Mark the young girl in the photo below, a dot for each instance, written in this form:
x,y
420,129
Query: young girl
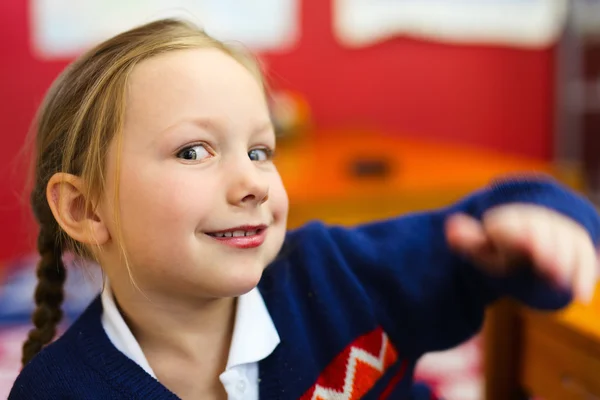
x,y
154,159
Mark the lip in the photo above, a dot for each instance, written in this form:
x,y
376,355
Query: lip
x,y
242,242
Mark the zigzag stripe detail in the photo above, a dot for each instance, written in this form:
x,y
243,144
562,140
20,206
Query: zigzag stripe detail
x,y
361,367
356,356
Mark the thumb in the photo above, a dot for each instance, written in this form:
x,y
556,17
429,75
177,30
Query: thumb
x,y
466,235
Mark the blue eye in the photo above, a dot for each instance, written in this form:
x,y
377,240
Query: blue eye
x,y
262,154
193,153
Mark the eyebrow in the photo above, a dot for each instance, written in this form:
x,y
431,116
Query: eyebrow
x,y
213,124
264,127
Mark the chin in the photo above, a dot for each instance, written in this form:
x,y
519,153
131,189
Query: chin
x,y
241,281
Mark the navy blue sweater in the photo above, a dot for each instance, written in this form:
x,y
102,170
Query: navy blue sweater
x,y
357,305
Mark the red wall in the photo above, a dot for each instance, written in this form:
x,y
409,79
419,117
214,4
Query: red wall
x,y
492,97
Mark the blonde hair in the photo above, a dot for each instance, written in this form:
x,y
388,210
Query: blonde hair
x,y
81,113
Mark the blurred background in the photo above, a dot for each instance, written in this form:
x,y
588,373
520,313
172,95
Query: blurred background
x,y
382,107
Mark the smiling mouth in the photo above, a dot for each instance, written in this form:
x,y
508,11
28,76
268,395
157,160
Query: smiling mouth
x,y
244,231
236,233
244,237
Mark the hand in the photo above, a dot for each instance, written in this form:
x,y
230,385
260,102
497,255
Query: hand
x,y
557,246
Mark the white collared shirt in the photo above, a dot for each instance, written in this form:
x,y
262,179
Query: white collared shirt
x,y
254,339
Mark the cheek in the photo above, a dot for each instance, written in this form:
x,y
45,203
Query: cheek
x,y
172,202
278,199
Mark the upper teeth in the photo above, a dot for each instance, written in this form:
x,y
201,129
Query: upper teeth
x,y
234,233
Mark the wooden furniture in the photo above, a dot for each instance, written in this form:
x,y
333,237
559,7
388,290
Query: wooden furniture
x,y
551,356
409,175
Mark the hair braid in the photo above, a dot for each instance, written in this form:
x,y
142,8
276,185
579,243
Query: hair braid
x,y
51,274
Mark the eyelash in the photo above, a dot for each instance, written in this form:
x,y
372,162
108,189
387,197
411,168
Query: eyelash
x,y
206,147
270,153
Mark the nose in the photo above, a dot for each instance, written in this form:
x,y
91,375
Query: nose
x,y
248,188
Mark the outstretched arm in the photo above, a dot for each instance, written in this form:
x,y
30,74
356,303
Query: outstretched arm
x,y
431,275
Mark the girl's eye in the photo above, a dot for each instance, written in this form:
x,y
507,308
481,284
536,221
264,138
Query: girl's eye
x,y
262,154
194,153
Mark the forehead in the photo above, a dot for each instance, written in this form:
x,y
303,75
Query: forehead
x,y
192,83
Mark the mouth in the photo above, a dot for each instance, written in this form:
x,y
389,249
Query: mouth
x,y
239,231
247,236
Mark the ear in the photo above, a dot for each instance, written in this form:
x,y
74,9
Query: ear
x,y
71,210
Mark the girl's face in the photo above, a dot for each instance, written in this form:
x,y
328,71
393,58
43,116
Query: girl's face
x,y
203,209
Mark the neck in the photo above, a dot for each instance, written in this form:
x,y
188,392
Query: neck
x,y
193,330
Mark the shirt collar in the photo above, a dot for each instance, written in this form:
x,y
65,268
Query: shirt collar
x,y
119,333
254,333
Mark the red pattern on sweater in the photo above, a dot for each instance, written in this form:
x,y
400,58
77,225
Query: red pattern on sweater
x,y
356,369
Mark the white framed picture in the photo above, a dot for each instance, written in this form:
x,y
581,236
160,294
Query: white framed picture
x,y
522,23
64,28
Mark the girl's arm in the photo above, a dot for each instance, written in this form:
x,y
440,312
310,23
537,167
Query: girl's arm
x,y
424,292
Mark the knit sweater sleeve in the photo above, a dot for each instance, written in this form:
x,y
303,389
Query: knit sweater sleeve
x,y
430,297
